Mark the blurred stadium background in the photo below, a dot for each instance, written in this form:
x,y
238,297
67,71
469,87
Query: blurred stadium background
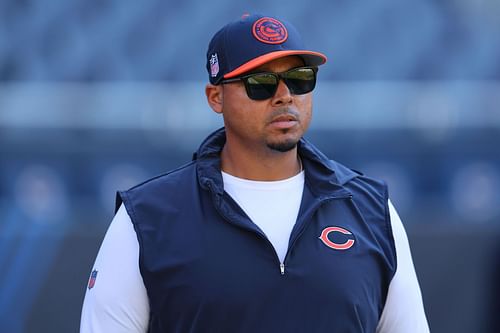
x,y
96,96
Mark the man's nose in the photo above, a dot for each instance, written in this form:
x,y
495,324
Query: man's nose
x,y
283,96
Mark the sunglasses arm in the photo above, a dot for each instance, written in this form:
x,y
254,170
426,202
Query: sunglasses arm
x,y
236,79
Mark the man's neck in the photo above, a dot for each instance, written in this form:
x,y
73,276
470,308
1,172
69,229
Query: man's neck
x,y
266,165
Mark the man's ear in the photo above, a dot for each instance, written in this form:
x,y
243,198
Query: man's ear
x,y
214,97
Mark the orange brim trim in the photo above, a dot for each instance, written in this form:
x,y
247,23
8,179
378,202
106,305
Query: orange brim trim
x,y
254,63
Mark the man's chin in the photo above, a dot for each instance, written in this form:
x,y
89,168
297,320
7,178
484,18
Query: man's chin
x,y
282,146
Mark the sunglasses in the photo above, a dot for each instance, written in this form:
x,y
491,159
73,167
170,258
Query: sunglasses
x,y
261,86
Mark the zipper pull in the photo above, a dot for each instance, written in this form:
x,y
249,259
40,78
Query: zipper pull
x,y
282,269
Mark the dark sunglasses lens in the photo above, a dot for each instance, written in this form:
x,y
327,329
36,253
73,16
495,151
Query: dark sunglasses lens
x,y
301,80
261,86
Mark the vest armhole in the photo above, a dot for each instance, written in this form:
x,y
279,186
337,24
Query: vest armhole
x,y
123,197
118,201
390,233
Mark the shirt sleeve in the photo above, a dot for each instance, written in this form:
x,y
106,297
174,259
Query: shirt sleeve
x,y
404,309
116,298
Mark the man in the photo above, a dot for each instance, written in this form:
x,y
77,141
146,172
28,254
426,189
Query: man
x,y
260,232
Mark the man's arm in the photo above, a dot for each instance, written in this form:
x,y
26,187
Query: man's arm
x,y
117,301
404,309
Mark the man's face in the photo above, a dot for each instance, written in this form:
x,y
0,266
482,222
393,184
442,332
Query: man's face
x,y
275,124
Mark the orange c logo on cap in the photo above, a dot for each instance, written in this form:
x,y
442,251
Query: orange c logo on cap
x,y
342,246
269,31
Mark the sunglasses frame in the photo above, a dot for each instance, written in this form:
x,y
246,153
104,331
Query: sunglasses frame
x,y
278,76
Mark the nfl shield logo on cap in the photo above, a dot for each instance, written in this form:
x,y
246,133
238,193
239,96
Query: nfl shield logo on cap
x,y
214,65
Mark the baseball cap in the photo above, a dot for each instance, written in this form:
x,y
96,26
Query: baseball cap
x,y
252,41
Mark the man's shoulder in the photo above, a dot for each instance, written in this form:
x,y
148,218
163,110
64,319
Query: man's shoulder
x,y
170,187
356,181
351,179
168,179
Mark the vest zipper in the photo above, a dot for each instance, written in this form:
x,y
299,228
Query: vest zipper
x,y
282,265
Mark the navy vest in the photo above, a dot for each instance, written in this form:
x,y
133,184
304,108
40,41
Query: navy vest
x,y
208,268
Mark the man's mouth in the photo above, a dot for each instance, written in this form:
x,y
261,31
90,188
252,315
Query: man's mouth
x,y
284,121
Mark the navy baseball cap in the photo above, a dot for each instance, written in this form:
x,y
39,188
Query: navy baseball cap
x,y
252,41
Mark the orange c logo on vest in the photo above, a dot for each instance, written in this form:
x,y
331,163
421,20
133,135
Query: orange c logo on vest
x,y
336,246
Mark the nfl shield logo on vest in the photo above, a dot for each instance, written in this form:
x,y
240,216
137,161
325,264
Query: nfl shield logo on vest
x,y
92,279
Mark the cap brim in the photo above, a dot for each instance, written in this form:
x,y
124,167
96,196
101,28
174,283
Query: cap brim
x,y
310,58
